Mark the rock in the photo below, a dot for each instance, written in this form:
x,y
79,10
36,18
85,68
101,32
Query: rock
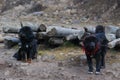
x,y
24,64
47,58
45,75
20,7
84,19
2,62
56,12
9,4
71,53
7,73
36,7
72,59
10,65
83,57
45,15
40,13
75,21
38,58
61,53
61,68
73,77
21,64
83,60
60,64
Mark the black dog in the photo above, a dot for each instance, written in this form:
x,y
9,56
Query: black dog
x,y
28,45
95,47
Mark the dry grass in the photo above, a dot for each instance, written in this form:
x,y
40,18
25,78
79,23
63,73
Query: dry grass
x,y
65,52
62,52
113,56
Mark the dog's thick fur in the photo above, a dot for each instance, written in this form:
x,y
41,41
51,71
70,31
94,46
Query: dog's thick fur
x,y
28,45
95,47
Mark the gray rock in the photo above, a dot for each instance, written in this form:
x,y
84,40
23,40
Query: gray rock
x,y
40,13
47,58
60,64
7,73
24,64
2,62
82,60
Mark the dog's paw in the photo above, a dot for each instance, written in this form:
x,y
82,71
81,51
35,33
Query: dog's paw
x,y
90,72
29,60
98,73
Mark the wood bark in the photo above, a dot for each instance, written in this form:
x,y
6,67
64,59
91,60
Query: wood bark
x,y
71,37
90,29
117,46
1,39
56,41
110,37
111,29
62,32
42,28
9,42
10,29
15,30
118,33
113,43
41,35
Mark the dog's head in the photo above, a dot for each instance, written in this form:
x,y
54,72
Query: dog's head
x,y
90,43
26,33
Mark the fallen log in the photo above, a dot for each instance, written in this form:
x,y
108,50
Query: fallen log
x,y
118,33
1,39
117,46
63,32
113,43
15,30
90,29
10,29
32,25
71,37
42,35
111,29
42,28
74,36
9,42
56,41
110,37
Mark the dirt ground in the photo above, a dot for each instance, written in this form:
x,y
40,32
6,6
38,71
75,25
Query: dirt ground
x,y
68,68
65,62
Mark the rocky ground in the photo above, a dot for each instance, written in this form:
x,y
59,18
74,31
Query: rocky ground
x,y
65,62
49,67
